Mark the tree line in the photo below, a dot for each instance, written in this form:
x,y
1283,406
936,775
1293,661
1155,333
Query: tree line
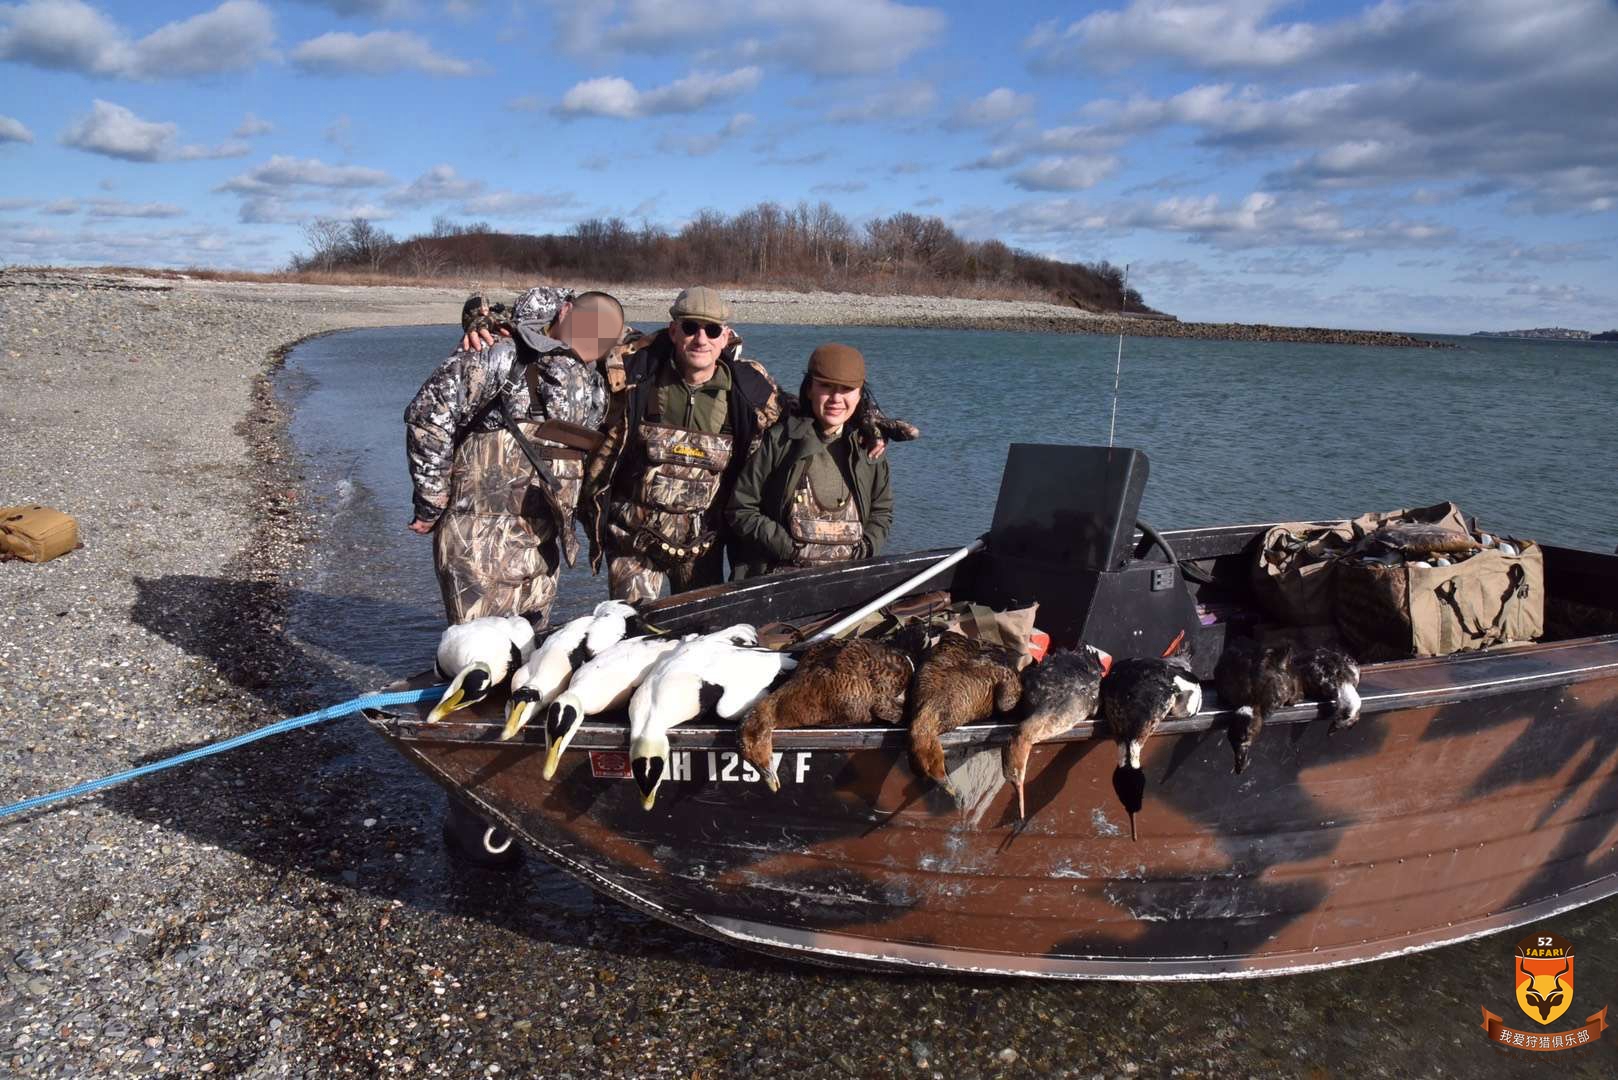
x,y
801,247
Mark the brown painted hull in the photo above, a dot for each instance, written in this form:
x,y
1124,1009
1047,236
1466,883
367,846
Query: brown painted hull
x,y
1476,793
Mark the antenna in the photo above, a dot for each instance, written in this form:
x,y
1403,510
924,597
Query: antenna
x,y
1117,373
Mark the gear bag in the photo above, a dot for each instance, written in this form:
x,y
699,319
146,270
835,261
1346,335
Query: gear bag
x,y
36,533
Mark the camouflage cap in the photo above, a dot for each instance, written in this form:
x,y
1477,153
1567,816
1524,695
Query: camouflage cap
x,y
700,302
535,310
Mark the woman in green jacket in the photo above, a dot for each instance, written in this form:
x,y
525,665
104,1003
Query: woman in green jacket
x,y
811,494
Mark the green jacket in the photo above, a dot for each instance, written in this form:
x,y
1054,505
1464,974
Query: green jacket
x,y
763,496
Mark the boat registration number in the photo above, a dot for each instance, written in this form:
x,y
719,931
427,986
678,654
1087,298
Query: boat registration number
x,y
723,766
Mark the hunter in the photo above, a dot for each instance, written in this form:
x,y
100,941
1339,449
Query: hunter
x,y
691,411
497,439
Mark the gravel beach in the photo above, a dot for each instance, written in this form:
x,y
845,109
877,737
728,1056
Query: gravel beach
x,y
287,910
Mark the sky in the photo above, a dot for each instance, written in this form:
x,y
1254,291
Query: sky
x,y
1443,166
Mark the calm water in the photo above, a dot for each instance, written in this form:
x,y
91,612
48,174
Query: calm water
x,y
1518,433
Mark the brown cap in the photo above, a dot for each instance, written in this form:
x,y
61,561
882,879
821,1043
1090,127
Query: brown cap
x,y
700,302
840,364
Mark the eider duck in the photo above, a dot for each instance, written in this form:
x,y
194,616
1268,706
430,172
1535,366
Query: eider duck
x,y
604,683
1332,677
836,684
960,681
1060,691
546,674
1137,695
724,672
477,656
1260,679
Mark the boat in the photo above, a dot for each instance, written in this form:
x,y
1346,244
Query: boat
x,y
1478,792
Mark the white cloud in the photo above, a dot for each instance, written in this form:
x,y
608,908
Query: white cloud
x,y
282,173
114,131
179,248
617,97
117,208
251,125
998,108
375,9
1072,173
844,187
899,101
69,35
438,184
701,145
823,37
340,133
12,130
60,208
511,204
383,52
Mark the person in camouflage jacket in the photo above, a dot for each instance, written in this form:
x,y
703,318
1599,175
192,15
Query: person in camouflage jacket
x,y
495,519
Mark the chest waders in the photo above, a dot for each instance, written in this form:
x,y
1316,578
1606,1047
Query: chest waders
x,y
826,530
670,516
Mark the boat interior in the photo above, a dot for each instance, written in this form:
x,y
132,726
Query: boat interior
x,y
1067,535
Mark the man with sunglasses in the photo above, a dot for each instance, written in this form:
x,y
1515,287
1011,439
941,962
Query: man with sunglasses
x,y
691,410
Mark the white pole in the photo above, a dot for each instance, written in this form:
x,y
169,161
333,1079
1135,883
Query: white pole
x,y
1123,305
894,593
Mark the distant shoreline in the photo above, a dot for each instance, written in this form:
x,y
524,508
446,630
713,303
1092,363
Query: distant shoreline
x,y
648,306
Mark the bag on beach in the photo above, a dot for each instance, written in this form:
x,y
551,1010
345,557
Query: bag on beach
x,y
36,533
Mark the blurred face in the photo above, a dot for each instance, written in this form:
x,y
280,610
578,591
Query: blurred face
x,y
698,343
591,329
832,403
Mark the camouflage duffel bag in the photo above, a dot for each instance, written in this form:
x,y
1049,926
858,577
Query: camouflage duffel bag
x,y
1422,607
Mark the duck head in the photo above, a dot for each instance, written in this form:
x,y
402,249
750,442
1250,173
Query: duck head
x,y
470,686
649,764
563,718
520,710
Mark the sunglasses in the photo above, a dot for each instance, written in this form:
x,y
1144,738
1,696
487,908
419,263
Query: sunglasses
x,y
690,328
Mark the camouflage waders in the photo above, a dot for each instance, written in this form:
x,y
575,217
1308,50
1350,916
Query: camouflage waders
x,y
670,524
495,548
823,533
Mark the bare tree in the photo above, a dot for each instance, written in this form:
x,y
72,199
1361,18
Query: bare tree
x,y
324,235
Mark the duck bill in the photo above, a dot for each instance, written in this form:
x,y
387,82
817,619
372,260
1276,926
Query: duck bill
x,y
562,722
454,698
1133,835
553,756
518,713
1022,806
648,800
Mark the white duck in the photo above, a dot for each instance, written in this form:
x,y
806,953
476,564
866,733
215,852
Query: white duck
x,y
478,656
546,674
604,683
724,671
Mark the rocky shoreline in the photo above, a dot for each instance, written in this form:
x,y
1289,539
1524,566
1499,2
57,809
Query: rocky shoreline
x,y
287,910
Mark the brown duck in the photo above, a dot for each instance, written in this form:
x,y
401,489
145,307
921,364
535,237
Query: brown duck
x,y
961,681
837,684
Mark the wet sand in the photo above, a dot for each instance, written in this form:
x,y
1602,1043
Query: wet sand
x,y
288,910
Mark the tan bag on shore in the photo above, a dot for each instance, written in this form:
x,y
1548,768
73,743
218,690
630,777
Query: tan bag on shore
x,y
36,533
1488,598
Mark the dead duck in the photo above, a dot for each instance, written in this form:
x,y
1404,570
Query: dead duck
x,y
836,684
1260,679
1257,680
546,674
603,683
960,681
1137,695
720,672
477,656
1332,677
1060,691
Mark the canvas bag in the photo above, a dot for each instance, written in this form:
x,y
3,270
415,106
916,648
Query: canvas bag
x,y
36,533
1488,598
1297,561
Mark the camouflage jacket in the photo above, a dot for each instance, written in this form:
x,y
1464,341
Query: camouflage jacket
x,y
473,390
754,405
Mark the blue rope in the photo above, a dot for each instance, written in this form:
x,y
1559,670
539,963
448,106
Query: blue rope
x,y
368,701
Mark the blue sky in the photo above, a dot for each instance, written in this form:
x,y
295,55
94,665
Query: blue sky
x,y
1442,166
